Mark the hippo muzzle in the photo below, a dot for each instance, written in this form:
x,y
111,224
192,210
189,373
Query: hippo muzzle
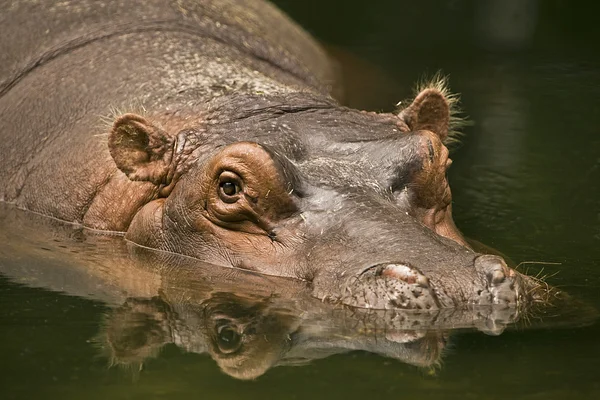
x,y
407,266
400,285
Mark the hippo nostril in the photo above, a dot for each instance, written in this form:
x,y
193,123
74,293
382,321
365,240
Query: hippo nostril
x,y
499,280
493,267
497,277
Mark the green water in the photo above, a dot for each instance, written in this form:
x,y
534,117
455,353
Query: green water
x,y
525,179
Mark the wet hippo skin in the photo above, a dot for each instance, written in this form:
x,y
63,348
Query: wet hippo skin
x,y
207,129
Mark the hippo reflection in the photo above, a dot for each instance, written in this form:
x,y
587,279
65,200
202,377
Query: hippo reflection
x,y
246,337
237,154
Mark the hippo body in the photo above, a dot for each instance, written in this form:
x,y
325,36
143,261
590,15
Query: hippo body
x,y
207,128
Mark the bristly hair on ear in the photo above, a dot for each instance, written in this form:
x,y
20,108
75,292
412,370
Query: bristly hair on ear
x,y
107,120
458,120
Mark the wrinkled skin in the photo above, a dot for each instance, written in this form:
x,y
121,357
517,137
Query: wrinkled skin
x,y
238,156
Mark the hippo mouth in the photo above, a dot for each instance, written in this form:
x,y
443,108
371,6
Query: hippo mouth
x,y
399,285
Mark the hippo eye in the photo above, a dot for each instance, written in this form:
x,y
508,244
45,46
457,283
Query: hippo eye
x,y
229,187
228,339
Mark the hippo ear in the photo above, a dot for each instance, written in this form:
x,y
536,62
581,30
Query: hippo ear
x,y
141,150
430,110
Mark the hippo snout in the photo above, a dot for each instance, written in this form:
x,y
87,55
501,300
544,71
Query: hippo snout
x,y
400,285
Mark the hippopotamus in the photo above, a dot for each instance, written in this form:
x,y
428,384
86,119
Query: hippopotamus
x,y
209,128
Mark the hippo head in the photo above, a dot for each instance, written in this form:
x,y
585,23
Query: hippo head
x,y
355,203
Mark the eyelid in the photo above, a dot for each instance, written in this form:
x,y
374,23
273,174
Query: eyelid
x,y
229,176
